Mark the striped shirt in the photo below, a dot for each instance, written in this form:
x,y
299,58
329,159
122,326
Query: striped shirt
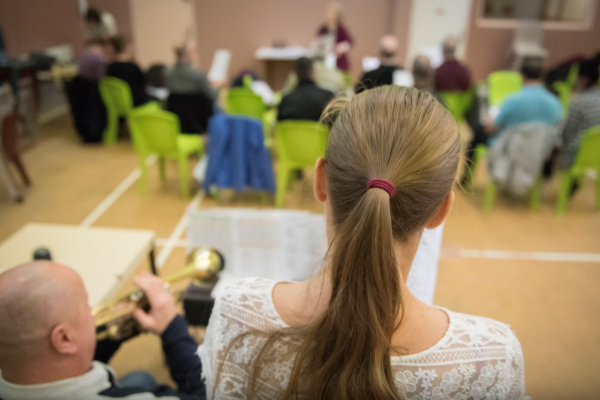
x,y
584,113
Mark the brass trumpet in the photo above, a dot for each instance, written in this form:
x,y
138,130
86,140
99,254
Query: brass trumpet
x,y
203,265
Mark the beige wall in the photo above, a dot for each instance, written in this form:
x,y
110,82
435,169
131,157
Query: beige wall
x,y
487,48
244,26
158,26
400,26
33,25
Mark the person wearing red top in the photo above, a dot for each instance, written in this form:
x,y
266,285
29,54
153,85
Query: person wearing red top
x,y
341,39
451,76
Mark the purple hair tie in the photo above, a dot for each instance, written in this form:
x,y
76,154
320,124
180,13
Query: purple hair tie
x,y
382,184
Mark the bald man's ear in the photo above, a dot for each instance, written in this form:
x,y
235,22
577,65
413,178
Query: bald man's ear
x,y
63,339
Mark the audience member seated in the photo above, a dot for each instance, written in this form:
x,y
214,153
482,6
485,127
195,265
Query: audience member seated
x,y
307,101
185,79
584,112
451,76
87,108
533,103
194,110
124,68
259,87
353,330
384,75
99,24
331,79
48,339
92,63
156,87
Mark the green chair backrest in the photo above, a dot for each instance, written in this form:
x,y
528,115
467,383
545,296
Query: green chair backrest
x,y
458,103
116,95
588,155
243,101
154,130
247,80
501,84
572,75
300,143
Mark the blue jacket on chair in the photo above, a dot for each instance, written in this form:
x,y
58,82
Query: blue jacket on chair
x,y
237,157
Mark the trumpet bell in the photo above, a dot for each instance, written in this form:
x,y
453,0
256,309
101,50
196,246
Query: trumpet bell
x,y
206,263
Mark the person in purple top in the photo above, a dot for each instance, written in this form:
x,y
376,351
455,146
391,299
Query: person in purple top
x,y
451,76
338,34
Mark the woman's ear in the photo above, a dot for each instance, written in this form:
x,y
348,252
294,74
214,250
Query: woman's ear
x,y
441,213
320,184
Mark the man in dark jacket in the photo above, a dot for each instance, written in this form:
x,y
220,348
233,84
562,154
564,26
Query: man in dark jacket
x,y
48,339
384,74
306,101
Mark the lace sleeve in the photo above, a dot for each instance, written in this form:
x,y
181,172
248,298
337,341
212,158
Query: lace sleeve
x,y
517,391
240,321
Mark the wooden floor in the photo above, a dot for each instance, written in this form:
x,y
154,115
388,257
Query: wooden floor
x,y
553,305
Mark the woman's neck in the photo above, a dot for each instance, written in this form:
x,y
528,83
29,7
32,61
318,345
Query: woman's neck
x,y
303,302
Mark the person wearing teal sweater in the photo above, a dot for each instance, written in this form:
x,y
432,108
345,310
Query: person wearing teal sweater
x,y
533,103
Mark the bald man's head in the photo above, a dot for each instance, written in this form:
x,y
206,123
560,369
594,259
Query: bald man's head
x,y
449,47
39,302
388,46
422,73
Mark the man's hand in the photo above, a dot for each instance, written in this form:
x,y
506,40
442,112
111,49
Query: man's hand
x,y
162,304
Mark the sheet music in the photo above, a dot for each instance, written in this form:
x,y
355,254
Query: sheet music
x,y
289,245
220,66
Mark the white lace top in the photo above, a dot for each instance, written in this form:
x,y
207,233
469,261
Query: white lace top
x,y
478,358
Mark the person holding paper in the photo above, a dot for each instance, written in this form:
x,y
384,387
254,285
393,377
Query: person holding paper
x,y
337,35
353,330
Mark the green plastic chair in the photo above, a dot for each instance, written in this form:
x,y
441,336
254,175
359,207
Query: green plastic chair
x,y
479,154
155,131
565,88
299,144
458,103
243,101
535,195
588,157
116,96
501,84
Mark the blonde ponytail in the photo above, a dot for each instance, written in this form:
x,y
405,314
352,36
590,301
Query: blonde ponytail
x,y
406,137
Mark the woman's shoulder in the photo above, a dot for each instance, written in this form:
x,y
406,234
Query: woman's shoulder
x,y
471,331
249,301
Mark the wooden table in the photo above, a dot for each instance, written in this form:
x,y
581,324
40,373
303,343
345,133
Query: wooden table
x,y
104,257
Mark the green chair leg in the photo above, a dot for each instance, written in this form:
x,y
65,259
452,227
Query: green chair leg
x,y
478,155
109,137
598,189
563,193
490,195
143,179
535,196
161,168
282,183
291,179
184,176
